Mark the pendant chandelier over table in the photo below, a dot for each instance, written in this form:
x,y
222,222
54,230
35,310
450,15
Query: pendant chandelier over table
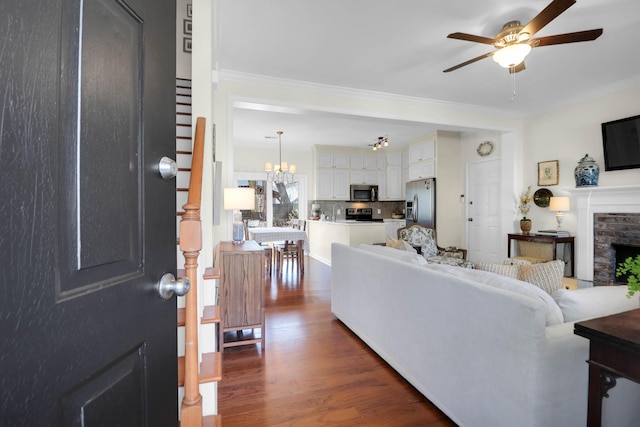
x,y
282,172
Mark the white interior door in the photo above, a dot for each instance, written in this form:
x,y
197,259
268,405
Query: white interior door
x,y
483,211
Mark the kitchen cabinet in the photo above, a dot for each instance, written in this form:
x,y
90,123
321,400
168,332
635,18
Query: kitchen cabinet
x,y
364,177
424,150
332,184
382,185
395,183
332,159
363,161
391,227
422,169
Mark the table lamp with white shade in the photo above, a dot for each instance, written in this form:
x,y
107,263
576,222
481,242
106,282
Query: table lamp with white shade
x,y
236,199
559,205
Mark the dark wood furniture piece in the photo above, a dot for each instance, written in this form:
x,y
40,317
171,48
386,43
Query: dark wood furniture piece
x,y
241,291
552,240
614,351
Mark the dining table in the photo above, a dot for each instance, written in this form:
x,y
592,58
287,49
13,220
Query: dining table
x,y
280,234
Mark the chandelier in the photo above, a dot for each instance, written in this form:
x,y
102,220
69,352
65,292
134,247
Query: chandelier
x,y
282,172
382,142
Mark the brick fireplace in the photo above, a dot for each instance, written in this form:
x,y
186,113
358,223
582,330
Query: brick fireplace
x,y
616,236
599,209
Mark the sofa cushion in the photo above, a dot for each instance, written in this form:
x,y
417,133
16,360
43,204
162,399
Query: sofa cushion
x,y
501,269
598,301
406,256
552,311
546,275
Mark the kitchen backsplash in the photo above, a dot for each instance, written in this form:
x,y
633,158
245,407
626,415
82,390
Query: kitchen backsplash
x,y
380,209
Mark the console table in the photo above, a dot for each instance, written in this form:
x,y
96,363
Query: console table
x,y
552,240
241,291
614,351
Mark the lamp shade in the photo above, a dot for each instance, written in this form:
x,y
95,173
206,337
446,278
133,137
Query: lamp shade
x,y
239,198
512,55
559,204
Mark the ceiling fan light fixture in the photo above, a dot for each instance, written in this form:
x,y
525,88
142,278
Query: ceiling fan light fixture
x,y
512,55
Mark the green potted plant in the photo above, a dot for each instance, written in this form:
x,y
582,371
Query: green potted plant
x,y
525,201
632,267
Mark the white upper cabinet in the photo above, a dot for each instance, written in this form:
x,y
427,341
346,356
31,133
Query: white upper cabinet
x,y
363,161
332,159
424,150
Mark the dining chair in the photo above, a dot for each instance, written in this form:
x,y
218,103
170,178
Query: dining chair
x,y
268,249
291,250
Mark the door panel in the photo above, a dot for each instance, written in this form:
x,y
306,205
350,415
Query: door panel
x,y
103,131
88,225
483,211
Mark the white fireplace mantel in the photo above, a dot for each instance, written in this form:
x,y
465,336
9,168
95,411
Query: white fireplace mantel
x,y
591,200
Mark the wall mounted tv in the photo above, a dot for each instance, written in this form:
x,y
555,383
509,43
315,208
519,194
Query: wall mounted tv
x,y
621,141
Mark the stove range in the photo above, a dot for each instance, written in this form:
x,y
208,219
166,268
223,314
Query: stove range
x,y
361,214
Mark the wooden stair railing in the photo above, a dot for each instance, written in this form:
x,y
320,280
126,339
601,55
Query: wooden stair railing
x,y
190,245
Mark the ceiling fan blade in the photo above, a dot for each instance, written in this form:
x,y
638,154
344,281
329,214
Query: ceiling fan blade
x,y
471,61
548,14
578,36
471,38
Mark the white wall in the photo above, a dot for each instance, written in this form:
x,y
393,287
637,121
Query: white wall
x,y
234,88
183,59
566,135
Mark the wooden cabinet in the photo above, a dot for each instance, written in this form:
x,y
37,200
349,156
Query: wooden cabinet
x,y
241,291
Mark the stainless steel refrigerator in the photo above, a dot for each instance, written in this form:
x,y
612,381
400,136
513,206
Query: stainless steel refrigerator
x,y
421,202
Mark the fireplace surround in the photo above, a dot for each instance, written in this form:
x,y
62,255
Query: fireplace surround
x,y
615,201
616,237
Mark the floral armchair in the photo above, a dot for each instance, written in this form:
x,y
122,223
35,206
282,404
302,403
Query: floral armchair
x,y
423,238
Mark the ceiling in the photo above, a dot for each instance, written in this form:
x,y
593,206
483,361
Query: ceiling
x,y
401,48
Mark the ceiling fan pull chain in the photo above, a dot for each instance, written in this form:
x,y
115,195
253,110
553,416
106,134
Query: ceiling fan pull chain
x,y
513,86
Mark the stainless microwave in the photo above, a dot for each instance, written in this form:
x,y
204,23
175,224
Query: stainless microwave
x,y
363,193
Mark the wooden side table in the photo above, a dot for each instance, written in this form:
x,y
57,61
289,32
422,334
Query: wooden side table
x,y
241,291
614,351
552,240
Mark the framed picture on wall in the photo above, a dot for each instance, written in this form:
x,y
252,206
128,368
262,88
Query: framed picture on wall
x,y
548,173
186,44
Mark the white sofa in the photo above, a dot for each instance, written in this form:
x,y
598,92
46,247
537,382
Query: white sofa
x,y
482,347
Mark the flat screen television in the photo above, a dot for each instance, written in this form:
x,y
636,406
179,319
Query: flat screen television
x,y
621,141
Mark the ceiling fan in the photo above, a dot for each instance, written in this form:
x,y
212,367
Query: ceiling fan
x,y
514,41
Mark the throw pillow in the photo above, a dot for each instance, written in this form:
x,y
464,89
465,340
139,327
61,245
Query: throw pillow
x,y
501,269
399,244
518,261
546,275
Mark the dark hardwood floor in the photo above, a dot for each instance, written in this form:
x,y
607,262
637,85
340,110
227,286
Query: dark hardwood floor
x,y
313,370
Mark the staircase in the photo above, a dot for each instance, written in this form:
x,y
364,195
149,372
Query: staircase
x,y
199,364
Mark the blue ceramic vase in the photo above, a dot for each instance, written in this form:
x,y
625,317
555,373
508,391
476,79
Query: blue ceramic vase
x,y
587,172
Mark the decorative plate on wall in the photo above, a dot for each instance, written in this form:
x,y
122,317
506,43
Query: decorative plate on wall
x,y
485,148
541,197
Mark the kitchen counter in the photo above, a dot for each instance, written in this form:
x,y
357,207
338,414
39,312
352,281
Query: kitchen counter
x,y
348,232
